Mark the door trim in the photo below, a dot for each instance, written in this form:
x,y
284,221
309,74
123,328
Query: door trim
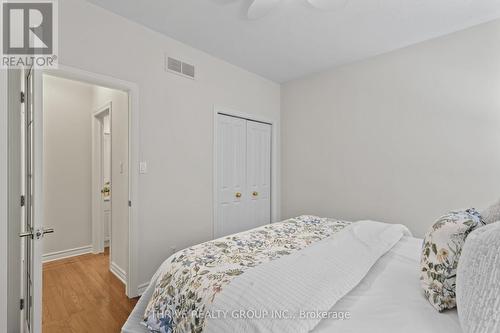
x,y
275,158
97,172
132,89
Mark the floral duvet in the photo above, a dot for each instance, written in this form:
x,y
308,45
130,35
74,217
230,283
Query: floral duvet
x,y
189,281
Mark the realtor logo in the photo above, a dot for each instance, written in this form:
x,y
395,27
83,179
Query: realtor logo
x,y
29,33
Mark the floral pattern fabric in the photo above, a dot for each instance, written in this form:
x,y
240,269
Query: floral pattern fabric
x,y
441,251
191,279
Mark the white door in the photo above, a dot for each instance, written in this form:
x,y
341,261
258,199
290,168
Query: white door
x,y
106,179
243,175
231,175
258,173
33,230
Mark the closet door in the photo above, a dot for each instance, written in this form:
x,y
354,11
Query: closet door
x,y
232,211
258,174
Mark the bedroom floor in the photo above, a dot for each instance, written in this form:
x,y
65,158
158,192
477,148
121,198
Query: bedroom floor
x,y
80,294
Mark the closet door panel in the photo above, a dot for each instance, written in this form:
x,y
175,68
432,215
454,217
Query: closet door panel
x,y
231,175
258,173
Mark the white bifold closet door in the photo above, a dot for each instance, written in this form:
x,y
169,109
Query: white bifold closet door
x,y
243,175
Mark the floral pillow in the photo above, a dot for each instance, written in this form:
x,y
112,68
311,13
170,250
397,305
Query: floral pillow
x,y
440,254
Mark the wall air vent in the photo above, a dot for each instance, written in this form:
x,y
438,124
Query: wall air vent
x,y
188,70
179,67
174,65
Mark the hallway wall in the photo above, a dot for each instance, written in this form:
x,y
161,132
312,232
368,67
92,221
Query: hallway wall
x,y
67,167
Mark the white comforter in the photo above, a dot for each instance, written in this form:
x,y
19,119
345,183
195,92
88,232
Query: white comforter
x,y
389,299
294,293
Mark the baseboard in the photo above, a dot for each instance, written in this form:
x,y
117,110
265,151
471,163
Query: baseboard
x,y
106,242
142,288
118,272
47,257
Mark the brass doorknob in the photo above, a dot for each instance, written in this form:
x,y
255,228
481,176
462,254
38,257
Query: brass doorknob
x,y
255,194
238,194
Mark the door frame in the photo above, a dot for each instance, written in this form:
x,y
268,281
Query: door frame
x,y
72,73
275,158
97,175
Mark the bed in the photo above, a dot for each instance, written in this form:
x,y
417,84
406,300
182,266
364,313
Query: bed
x,y
381,294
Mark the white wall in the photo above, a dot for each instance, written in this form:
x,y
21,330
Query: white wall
x,y
176,119
119,174
403,137
67,163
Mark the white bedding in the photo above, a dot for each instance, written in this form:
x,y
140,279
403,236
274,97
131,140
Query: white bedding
x,y
313,279
388,299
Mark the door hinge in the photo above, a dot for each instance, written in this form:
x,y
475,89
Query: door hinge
x,y
22,97
130,203
21,304
23,200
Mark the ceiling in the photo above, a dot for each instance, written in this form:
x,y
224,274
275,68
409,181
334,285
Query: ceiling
x,y
294,39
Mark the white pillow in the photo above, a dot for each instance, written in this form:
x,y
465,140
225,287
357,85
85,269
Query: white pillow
x,y
478,281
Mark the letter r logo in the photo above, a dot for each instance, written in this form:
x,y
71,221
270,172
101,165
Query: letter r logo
x,y
27,28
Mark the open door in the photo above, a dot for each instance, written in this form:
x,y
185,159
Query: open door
x,y
33,230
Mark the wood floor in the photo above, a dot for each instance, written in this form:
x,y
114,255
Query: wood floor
x,y
80,294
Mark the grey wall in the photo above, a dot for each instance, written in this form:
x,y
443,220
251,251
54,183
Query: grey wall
x,y
402,138
67,167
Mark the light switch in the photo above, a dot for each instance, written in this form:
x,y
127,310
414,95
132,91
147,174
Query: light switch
x,y
143,167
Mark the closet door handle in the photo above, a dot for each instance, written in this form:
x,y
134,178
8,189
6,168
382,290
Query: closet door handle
x,y
255,194
238,195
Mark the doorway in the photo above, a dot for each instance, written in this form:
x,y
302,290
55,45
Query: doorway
x,y
86,191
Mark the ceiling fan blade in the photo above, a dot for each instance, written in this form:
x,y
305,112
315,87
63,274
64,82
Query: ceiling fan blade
x,y
259,8
328,4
